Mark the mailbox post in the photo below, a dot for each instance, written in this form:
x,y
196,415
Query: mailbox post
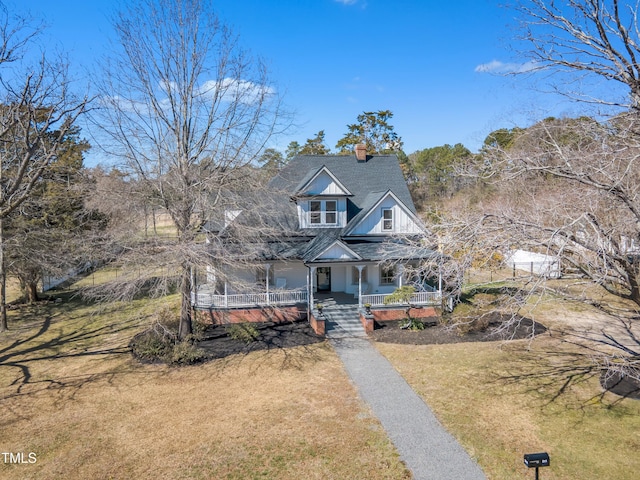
x,y
536,460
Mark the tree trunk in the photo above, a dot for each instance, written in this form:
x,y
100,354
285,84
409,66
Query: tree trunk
x,y
31,292
153,217
634,294
185,329
3,283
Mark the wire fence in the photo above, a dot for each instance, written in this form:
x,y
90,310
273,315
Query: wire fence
x,y
88,277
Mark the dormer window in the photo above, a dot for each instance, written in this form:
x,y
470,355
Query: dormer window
x,y
323,212
387,220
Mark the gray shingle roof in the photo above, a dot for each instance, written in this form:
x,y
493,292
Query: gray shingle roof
x,y
367,181
378,174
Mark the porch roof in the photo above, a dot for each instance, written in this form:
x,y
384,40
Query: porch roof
x,y
382,251
308,249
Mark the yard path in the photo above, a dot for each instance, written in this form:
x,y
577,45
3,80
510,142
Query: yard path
x,y
427,449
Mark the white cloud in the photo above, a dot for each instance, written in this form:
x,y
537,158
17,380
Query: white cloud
x,y
347,2
229,90
232,89
496,66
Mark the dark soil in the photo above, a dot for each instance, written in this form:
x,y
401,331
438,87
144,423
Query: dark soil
x,y
621,385
435,333
218,344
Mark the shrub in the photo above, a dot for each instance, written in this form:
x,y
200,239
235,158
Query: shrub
x,y
413,324
159,343
150,346
245,332
186,353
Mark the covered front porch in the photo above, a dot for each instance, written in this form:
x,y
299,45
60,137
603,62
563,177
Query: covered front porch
x,y
279,284
206,298
370,283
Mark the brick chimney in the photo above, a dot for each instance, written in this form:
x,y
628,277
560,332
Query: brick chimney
x,y
361,152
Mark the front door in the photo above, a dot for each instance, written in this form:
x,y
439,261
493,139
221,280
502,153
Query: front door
x,y
323,279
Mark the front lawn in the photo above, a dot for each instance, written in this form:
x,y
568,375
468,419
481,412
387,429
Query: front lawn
x,y
502,400
72,395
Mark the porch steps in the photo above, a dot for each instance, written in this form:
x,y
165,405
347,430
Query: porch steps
x,y
343,321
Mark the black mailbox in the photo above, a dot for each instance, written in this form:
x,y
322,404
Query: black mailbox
x,y
536,460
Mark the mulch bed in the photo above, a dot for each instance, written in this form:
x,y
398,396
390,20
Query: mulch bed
x,y
435,334
218,344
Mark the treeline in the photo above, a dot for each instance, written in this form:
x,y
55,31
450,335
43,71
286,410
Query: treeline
x,y
433,174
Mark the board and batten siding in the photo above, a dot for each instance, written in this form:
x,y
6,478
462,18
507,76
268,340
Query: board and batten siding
x,y
323,184
304,210
372,223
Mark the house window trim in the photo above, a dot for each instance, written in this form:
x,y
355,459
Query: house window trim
x,y
261,275
385,220
386,280
319,217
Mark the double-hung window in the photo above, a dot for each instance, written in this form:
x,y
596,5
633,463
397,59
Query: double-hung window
x,y
387,220
315,208
331,213
387,275
323,212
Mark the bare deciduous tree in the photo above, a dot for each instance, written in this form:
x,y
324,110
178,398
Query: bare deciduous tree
x,y
585,39
188,111
37,109
568,188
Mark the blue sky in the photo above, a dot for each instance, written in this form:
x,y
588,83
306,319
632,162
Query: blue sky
x,y
432,63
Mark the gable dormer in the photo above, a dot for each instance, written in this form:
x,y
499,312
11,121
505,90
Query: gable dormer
x,y
322,182
385,215
322,200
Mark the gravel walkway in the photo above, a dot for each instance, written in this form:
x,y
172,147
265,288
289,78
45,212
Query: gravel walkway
x,y
426,448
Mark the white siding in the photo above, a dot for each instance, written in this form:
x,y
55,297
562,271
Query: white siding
x,y
338,278
372,223
294,272
323,184
241,279
304,208
353,287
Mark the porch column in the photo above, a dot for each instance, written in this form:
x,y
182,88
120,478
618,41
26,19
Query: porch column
x,y
359,267
312,274
267,267
226,297
400,274
194,290
440,297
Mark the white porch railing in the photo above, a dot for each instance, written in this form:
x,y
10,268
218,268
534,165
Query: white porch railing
x,y
276,298
418,298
